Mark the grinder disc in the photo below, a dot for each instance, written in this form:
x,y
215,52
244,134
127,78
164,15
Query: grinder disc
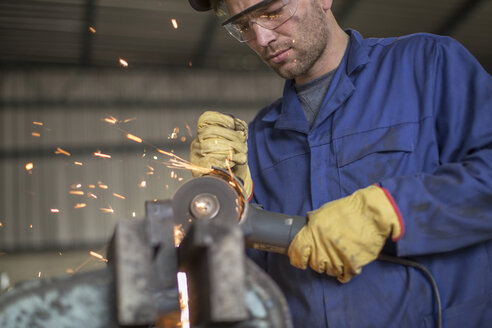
x,y
211,187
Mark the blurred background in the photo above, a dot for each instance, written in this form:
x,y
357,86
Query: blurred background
x,y
91,90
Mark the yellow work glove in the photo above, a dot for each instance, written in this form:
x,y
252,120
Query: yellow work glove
x,y
220,137
344,235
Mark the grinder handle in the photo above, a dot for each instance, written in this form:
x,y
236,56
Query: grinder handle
x,y
270,231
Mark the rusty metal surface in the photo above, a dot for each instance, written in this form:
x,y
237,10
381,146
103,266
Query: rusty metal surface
x,y
81,301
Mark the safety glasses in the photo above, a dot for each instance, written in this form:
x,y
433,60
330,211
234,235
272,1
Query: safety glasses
x,y
268,14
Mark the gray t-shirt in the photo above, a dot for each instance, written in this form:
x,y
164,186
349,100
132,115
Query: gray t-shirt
x,y
311,95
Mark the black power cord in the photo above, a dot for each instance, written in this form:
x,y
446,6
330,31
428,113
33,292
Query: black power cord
x,y
427,273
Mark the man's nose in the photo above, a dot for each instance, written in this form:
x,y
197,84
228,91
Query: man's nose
x,y
263,35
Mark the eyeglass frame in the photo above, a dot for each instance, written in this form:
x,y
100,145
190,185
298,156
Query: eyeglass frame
x,y
252,9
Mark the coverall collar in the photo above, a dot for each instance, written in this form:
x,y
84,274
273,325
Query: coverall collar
x,y
289,117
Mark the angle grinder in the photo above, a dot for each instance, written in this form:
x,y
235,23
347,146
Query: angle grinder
x,y
220,195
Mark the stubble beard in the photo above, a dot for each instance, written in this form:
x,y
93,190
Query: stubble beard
x,y
305,50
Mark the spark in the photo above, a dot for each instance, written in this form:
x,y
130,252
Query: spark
x,y
175,23
54,210
228,164
180,163
69,271
78,185
123,62
1,224
91,195
92,29
102,186
165,153
36,134
99,154
174,161
150,168
76,192
38,123
178,234
189,130
39,274
29,166
111,120
142,184
107,210
134,214
183,299
134,138
78,163
173,175
92,186
98,256
80,205
183,139
118,196
30,226
174,134
61,151
129,119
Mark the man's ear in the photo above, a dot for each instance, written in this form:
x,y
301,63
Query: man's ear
x,y
326,4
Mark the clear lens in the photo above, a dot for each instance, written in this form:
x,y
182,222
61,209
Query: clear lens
x,y
270,16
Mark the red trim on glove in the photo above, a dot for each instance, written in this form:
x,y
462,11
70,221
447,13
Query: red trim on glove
x,y
252,188
398,213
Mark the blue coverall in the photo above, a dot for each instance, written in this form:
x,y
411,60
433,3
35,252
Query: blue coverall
x,y
413,114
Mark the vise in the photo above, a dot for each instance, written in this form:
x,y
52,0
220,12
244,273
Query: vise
x,y
212,222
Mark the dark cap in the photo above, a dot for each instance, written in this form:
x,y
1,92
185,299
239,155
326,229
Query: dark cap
x,y
201,5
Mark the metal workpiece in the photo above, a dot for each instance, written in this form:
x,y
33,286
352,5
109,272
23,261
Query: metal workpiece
x,y
160,231
79,301
212,255
226,288
145,264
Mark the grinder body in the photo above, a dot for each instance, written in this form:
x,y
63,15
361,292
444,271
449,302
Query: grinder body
x,y
270,231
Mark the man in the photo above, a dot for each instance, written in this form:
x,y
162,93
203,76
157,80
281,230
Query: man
x,y
386,144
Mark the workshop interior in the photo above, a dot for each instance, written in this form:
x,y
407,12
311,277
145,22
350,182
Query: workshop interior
x,y
99,212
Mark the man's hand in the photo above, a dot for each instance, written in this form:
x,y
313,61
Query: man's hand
x,y
344,235
221,137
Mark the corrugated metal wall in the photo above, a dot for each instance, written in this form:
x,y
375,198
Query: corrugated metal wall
x,y
43,110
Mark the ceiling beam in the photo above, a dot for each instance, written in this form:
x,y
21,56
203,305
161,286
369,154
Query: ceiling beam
x,y
458,17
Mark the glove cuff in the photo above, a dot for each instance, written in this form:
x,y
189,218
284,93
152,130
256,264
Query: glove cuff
x,y
248,184
398,228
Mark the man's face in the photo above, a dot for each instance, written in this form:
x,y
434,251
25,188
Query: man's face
x,y
293,48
